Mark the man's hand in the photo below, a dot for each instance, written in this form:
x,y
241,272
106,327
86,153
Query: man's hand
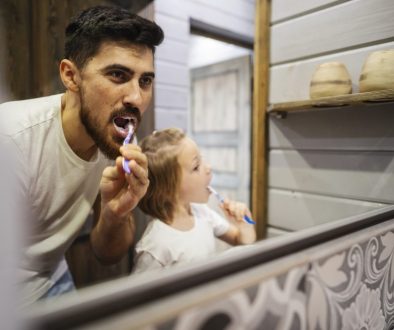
x,y
121,192
113,234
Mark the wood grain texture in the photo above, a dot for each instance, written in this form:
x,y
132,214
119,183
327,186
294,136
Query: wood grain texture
x,y
16,18
165,52
175,97
290,82
237,8
285,9
357,99
166,118
260,102
175,28
357,175
292,210
348,128
350,24
172,74
172,65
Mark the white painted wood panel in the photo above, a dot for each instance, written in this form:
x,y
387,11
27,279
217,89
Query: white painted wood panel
x,y
237,8
284,9
166,51
165,118
221,159
171,60
171,73
173,8
366,176
220,107
175,28
294,210
173,97
219,18
290,82
349,128
215,102
349,24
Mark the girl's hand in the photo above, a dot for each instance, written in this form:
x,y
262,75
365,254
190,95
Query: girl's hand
x,y
240,232
235,211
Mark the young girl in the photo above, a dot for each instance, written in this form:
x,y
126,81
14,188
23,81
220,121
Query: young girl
x,y
184,227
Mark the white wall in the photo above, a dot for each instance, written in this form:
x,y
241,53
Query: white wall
x,y
172,69
329,164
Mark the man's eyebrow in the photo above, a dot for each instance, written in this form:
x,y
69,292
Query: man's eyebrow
x,y
117,67
126,69
148,74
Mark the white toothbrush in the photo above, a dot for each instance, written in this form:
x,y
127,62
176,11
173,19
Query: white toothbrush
x,y
221,200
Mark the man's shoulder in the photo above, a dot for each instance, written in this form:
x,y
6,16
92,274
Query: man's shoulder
x,y
38,102
18,115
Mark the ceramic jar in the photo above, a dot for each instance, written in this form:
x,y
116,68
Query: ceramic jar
x,y
378,71
330,79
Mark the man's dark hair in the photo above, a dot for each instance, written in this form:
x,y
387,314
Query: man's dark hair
x,y
91,27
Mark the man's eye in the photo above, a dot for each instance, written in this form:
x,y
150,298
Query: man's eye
x,y
118,76
146,81
196,168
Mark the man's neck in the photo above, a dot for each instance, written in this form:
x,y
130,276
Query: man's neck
x,y
74,131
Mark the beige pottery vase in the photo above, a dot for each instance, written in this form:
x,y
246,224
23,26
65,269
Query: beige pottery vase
x,y
330,79
378,71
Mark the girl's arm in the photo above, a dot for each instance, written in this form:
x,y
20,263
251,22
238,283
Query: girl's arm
x,y
240,232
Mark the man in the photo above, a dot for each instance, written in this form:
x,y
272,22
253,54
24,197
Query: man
x,y
64,143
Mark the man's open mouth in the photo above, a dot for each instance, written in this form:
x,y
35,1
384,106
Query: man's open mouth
x,y
122,124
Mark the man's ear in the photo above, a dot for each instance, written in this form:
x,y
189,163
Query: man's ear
x,y
70,75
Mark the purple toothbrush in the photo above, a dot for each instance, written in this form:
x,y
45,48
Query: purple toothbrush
x,y
127,140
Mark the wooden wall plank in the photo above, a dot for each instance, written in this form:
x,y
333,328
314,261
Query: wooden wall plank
x,y
171,59
357,175
165,118
290,82
219,18
175,28
367,128
166,51
173,97
171,73
237,8
16,22
284,9
172,8
349,24
292,211
259,115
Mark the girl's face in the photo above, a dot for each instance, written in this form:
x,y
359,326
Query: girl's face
x,y
196,174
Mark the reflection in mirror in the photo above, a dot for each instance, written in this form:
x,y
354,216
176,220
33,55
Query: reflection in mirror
x,y
323,165
248,286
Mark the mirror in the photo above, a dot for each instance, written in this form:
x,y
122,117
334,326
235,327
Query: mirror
x,y
321,165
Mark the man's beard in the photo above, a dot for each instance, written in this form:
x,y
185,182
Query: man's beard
x,y
92,127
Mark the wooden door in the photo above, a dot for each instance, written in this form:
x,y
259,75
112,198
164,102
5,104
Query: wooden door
x,y
220,123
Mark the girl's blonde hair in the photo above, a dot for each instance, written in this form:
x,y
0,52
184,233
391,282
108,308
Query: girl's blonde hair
x,y
162,150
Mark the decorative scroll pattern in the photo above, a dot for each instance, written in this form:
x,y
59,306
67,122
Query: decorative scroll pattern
x,y
353,289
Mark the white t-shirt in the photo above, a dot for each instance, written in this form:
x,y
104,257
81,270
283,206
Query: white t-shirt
x,y
58,187
162,246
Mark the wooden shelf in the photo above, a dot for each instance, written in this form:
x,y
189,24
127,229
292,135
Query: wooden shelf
x,y
383,96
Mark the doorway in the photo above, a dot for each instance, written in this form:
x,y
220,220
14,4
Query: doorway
x,y
220,111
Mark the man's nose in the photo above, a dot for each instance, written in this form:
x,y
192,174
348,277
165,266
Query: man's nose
x,y
133,96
